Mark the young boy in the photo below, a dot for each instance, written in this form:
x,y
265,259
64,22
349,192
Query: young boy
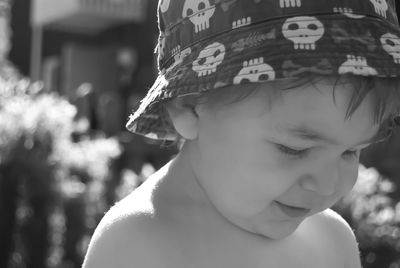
x,y
273,101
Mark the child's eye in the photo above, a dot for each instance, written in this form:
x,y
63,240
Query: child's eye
x,y
294,153
297,153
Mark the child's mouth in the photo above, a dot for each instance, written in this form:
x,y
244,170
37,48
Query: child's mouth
x,y
290,211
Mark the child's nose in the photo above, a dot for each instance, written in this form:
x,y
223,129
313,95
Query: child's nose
x,y
325,181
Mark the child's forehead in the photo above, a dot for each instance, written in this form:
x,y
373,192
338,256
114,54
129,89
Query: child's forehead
x,y
306,112
313,132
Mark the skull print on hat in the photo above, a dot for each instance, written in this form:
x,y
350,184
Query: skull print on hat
x,y
391,44
357,65
254,71
381,7
209,58
199,13
289,3
304,32
164,5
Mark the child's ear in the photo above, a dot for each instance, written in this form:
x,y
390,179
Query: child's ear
x,y
184,118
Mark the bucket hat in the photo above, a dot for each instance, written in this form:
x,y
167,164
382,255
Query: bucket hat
x,y
205,45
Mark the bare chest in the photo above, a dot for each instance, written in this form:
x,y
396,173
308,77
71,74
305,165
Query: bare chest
x,y
248,261
239,253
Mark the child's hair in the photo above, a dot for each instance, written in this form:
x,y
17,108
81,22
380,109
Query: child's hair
x,y
385,95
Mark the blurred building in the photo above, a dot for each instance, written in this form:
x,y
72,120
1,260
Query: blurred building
x,y
97,53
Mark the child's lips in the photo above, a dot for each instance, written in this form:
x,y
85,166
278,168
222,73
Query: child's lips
x,y
291,211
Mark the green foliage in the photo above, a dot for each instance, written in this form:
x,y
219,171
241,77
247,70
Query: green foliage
x,y
373,209
29,116
47,178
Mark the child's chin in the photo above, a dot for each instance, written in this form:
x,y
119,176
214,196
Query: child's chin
x,y
277,232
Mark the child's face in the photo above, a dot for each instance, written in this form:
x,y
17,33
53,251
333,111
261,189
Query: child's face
x,y
258,164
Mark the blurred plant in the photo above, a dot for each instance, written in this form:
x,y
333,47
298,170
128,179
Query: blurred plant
x,y
51,185
130,180
373,210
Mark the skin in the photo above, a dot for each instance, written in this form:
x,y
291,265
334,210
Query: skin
x,y
215,203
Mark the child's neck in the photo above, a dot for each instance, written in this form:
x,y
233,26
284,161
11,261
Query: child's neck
x,y
177,181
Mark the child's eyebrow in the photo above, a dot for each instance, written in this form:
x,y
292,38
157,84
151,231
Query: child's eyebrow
x,y
306,133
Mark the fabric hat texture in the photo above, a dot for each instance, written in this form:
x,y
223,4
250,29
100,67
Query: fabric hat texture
x,y
209,44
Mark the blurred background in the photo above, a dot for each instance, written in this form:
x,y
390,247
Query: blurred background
x,y
71,71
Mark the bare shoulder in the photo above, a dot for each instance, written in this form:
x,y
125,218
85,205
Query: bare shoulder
x,y
341,233
337,226
122,237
